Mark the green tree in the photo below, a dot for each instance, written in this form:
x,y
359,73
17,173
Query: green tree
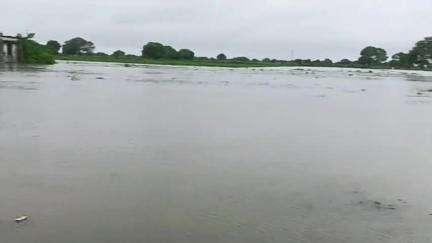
x,y
400,60
78,46
372,56
221,57
327,62
345,62
102,54
241,59
153,50
186,54
170,53
421,54
54,46
118,54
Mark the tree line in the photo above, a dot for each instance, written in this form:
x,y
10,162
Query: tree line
x,y
419,57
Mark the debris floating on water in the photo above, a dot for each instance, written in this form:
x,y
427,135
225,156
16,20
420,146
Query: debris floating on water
x,y
21,219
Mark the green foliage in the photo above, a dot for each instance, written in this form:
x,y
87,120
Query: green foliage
x,y
372,56
199,61
78,46
54,46
186,54
241,59
35,53
118,54
221,57
344,62
170,53
327,62
100,54
153,50
421,54
420,57
400,60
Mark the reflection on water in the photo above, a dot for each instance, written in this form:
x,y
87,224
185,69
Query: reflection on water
x,y
107,153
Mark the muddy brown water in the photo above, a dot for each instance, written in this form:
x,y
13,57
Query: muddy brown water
x,y
103,153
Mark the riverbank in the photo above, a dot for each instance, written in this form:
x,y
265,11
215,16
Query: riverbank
x,y
195,62
215,63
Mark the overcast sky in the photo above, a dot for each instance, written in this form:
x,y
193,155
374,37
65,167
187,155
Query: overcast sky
x,y
253,28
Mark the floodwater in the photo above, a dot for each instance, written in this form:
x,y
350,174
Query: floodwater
x,y
103,153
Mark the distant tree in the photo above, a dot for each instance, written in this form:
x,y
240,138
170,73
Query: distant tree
x,y
221,57
345,62
421,54
154,50
327,62
400,60
54,46
372,56
102,54
241,59
170,53
266,59
306,62
118,54
186,54
78,46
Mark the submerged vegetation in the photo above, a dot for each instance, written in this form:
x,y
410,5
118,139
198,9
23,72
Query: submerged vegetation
x,y
79,49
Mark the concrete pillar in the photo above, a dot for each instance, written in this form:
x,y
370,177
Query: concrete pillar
x,y
14,52
1,50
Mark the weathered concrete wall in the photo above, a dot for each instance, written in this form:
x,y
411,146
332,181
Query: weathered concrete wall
x,y
10,51
1,51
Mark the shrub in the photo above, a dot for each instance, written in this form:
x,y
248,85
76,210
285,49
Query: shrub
x,y
186,54
35,53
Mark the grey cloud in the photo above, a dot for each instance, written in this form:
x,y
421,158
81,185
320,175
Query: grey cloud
x,y
273,28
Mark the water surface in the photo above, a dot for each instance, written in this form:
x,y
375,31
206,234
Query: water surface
x,y
104,153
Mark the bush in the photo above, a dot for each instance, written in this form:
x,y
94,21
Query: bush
x,y
241,59
35,53
186,54
118,54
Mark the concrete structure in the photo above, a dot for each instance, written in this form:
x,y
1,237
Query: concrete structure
x,y
11,50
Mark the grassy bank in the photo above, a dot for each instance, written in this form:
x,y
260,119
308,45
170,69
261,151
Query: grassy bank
x,y
195,62
216,63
